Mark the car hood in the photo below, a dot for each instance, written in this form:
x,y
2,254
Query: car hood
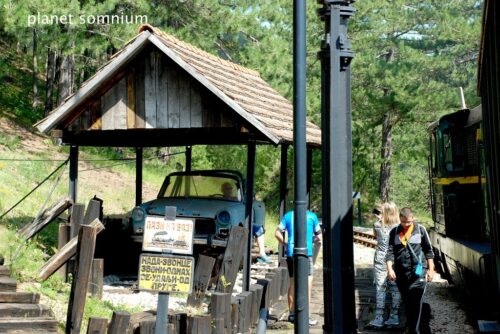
x,y
189,207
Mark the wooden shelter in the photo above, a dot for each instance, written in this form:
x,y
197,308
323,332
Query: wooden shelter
x,y
160,91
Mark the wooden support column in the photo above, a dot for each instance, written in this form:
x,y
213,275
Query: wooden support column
x,y
249,214
62,239
138,175
76,218
97,278
78,295
73,173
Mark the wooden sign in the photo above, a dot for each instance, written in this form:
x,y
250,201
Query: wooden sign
x,y
166,273
168,236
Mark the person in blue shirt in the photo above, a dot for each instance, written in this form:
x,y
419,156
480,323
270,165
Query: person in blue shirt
x,y
285,227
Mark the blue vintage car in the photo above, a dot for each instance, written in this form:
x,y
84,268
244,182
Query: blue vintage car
x,y
215,199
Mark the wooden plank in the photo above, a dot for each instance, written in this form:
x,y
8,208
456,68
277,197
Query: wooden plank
x,y
202,274
64,254
76,218
162,93
44,325
199,325
96,82
4,271
140,116
47,216
220,309
96,115
119,322
19,297
97,325
63,237
97,278
114,107
150,85
8,284
15,310
131,99
195,107
232,259
79,286
173,97
184,103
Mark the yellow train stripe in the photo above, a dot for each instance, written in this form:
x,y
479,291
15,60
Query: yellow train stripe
x,y
461,180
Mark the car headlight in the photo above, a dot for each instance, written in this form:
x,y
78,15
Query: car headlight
x,y
224,217
138,214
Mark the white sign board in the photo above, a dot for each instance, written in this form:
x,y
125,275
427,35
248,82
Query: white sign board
x,y
166,273
163,235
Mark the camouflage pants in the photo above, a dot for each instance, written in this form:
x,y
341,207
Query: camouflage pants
x,y
382,287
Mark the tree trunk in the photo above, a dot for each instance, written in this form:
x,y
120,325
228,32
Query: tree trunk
x,y
35,70
65,78
49,80
386,155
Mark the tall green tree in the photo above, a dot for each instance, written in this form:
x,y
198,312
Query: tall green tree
x,y
410,59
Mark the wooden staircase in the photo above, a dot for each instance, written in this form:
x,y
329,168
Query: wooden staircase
x,y
20,312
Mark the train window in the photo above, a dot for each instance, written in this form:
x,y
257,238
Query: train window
x,y
454,157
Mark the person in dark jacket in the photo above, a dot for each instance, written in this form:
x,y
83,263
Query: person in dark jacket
x,y
410,263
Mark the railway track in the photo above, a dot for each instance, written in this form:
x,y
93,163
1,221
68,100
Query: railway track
x,y
364,238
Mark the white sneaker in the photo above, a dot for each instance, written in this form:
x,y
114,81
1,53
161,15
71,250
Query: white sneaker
x,y
392,321
377,322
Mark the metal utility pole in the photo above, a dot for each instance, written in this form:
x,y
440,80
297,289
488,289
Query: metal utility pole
x,y
338,265
300,259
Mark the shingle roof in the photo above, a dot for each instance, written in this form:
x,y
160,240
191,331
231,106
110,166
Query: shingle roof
x,y
244,88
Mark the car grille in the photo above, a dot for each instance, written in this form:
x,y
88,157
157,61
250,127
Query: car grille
x,y
204,226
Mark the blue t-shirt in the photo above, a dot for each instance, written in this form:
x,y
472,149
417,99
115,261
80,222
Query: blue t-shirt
x,y
312,223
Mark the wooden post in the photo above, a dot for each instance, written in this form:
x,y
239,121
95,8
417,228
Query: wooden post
x,y
62,239
147,327
202,274
179,321
199,325
256,291
265,292
97,278
232,259
235,311
93,211
119,322
76,218
220,308
64,254
85,255
97,325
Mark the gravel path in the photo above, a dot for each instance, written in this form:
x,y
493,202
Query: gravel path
x,y
447,316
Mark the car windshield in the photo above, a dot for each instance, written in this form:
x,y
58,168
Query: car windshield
x,y
204,186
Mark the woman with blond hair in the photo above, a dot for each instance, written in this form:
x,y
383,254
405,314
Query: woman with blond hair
x,y
387,217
